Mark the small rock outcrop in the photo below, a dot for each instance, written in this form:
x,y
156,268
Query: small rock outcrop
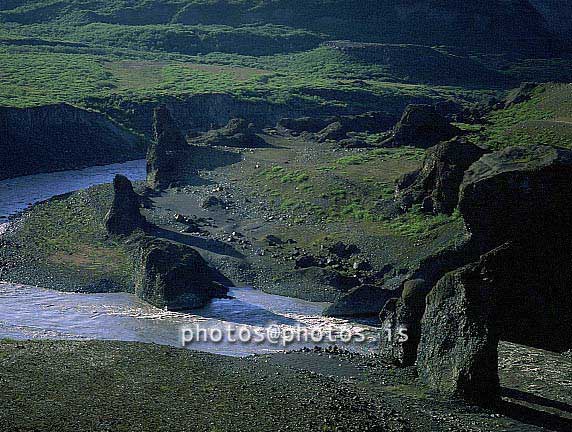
x,y
436,185
459,339
175,276
421,126
372,121
237,133
124,216
333,132
169,154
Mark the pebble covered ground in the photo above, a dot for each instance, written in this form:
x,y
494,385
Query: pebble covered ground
x,y
113,386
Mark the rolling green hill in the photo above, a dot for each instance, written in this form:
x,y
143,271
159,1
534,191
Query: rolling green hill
x,y
104,54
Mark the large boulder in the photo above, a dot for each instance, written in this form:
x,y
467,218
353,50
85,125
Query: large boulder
x,y
169,153
533,288
237,133
402,317
458,352
421,126
436,185
124,216
175,276
521,194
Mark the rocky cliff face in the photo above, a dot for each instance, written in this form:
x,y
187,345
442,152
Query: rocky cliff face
x,y
58,137
203,112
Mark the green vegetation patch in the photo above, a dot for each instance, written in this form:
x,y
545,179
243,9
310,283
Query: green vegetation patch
x,y
544,119
67,235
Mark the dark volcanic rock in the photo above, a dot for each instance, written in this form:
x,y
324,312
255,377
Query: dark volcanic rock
x,y
458,349
436,185
169,154
333,132
362,301
403,316
213,201
175,276
57,137
519,193
306,261
373,121
344,250
237,133
421,126
124,216
533,286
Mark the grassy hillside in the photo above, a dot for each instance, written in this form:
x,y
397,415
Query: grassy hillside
x,y
545,119
269,50
123,56
443,22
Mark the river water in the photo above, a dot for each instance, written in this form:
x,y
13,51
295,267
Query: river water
x,y
37,313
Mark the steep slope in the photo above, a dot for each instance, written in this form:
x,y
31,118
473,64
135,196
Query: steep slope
x,y
57,137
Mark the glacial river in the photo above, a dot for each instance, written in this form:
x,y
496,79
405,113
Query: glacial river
x,y
37,313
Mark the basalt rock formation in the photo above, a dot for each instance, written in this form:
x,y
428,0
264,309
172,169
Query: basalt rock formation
x,y
512,279
459,337
518,194
175,276
237,133
402,316
436,184
421,126
58,137
303,124
124,216
169,155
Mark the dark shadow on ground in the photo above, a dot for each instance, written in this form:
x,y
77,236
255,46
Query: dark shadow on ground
x,y
209,158
536,400
214,246
239,312
532,416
